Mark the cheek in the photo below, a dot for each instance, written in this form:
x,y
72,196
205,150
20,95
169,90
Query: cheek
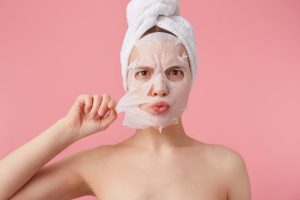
x,y
179,89
137,87
183,87
131,82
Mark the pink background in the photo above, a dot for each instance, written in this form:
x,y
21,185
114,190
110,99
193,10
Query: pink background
x,y
246,96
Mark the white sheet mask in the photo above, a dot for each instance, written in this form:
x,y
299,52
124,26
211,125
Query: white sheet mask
x,y
157,51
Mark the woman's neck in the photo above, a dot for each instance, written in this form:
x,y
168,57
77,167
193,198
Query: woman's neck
x,y
170,137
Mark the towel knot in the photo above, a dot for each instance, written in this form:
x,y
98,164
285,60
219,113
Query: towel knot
x,y
143,15
140,10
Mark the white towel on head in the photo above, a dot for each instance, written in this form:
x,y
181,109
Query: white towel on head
x,y
143,15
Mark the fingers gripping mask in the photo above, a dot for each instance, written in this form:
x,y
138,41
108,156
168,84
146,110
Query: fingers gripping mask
x,y
159,81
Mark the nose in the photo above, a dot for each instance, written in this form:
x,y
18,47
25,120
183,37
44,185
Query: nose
x,y
159,90
160,93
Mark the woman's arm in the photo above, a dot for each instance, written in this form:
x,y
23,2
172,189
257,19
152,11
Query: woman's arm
x,y
20,165
63,180
89,114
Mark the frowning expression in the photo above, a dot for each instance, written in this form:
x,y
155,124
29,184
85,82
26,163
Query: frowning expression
x,y
159,65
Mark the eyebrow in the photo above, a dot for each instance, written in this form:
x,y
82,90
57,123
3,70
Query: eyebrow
x,y
143,67
176,67
149,67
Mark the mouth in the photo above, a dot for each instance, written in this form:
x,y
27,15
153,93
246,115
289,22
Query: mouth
x,y
160,107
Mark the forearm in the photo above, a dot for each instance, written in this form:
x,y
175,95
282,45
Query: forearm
x,y
20,165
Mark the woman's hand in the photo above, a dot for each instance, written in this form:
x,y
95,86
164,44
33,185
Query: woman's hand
x,y
90,114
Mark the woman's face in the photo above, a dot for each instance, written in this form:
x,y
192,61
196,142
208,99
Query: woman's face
x,y
159,68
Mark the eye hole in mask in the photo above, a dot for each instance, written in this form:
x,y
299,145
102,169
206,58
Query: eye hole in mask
x,y
143,73
174,73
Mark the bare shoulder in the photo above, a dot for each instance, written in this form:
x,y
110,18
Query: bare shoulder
x,y
93,161
88,158
233,170
221,156
225,156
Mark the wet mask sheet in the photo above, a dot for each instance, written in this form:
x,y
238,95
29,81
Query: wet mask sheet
x,y
163,57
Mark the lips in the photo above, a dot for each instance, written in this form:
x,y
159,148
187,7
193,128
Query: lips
x,y
160,107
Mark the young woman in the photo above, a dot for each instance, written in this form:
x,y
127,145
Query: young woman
x,y
159,161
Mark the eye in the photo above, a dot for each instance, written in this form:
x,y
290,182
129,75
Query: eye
x,y
144,74
174,74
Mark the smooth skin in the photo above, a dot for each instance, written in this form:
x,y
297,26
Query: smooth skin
x,y
148,165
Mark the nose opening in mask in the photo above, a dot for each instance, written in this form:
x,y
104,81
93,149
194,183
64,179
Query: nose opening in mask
x,y
158,87
159,92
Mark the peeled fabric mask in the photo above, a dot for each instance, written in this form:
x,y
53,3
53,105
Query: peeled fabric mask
x,y
161,54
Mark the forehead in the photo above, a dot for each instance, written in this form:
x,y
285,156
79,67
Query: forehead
x,y
158,44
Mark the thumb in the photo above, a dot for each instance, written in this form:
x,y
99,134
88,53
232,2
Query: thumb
x,y
109,118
